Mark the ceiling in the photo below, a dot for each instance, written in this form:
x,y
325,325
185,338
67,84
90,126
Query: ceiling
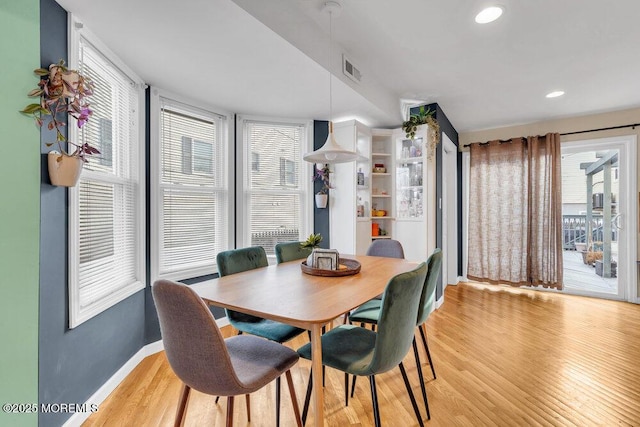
x,y
270,58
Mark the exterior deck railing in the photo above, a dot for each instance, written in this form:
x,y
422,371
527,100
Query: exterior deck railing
x,y
574,230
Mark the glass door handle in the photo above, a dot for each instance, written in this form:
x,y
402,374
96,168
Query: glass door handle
x,y
616,222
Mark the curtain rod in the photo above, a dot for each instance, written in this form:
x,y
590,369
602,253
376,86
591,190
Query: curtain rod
x,y
633,126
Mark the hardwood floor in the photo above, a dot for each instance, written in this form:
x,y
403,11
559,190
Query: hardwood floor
x,y
503,356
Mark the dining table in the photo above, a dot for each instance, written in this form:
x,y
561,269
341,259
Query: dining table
x,y
284,293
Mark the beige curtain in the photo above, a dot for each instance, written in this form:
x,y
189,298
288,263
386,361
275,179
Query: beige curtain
x,y
515,212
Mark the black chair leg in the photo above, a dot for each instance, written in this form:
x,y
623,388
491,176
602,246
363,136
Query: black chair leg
x,y
278,402
346,389
413,399
307,397
426,348
217,398
422,387
374,400
353,385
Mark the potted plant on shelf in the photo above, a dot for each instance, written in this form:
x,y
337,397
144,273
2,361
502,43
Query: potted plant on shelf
x,y
62,91
322,175
424,117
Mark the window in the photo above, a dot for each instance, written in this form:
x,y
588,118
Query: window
x,y
273,197
106,247
197,156
190,195
255,162
288,174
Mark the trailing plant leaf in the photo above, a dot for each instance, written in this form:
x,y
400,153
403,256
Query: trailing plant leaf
x,y
62,91
424,117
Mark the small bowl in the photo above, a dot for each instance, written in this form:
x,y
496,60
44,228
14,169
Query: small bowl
x,y
381,213
379,170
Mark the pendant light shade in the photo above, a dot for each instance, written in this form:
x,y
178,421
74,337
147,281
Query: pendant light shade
x,y
331,151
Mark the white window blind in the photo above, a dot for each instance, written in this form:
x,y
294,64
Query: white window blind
x,y
276,189
105,215
193,200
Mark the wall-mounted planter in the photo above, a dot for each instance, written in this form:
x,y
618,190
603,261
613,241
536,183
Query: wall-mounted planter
x,y
64,170
321,200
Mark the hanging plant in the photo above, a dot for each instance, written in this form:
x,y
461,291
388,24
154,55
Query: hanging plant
x,y
424,117
62,91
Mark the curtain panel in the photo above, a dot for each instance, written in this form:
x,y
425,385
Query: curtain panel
x,y
515,212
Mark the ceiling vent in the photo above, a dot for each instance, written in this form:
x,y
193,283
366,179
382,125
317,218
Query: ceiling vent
x,y
350,70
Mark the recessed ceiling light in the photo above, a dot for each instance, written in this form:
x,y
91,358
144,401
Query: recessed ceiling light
x,y
555,94
489,14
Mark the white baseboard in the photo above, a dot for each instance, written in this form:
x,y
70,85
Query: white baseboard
x,y
439,302
105,390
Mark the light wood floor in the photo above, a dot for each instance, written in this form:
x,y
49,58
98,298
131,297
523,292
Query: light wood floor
x,y
503,356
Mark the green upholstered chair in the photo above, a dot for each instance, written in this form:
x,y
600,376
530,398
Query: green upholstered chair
x,y
369,312
239,260
289,251
205,361
359,351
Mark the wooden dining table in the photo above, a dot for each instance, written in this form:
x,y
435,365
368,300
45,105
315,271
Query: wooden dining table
x,y
284,293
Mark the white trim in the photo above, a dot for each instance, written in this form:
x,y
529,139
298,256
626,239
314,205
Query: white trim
x,y
243,164
439,302
112,383
77,315
627,265
196,108
466,170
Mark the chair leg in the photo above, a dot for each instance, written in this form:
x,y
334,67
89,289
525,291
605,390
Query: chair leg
x,y
182,405
294,399
278,402
422,387
230,411
247,400
307,397
411,396
423,329
346,318
217,398
353,385
346,389
374,400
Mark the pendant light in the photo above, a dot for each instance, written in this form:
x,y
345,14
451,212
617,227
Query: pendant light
x,y
331,151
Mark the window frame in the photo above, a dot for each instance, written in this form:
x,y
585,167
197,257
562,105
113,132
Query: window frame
x,y
244,169
155,156
78,315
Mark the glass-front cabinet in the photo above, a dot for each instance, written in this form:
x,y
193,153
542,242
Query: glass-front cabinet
x,y
415,205
409,178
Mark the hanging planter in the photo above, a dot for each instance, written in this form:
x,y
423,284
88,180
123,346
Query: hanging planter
x,y
64,170
321,200
424,117
62,91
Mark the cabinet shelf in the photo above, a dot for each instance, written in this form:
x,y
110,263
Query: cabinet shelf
x,y
381,154
373,218
409,160
381,195
380,174
411,187
380,237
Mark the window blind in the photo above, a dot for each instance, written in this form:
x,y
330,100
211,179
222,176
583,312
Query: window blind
x,y
194,196
105,259
275,192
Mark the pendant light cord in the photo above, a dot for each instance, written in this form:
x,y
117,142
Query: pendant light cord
x,y
329,69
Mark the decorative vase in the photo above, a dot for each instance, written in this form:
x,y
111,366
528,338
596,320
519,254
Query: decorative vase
x,y
64,170
321,200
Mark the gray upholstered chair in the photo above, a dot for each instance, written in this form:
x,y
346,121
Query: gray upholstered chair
x,y
387,248
359,351
369,312
206,362
289,251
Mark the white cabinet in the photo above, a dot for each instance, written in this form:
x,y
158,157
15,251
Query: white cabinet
x,y
396,191
415,196
351,234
